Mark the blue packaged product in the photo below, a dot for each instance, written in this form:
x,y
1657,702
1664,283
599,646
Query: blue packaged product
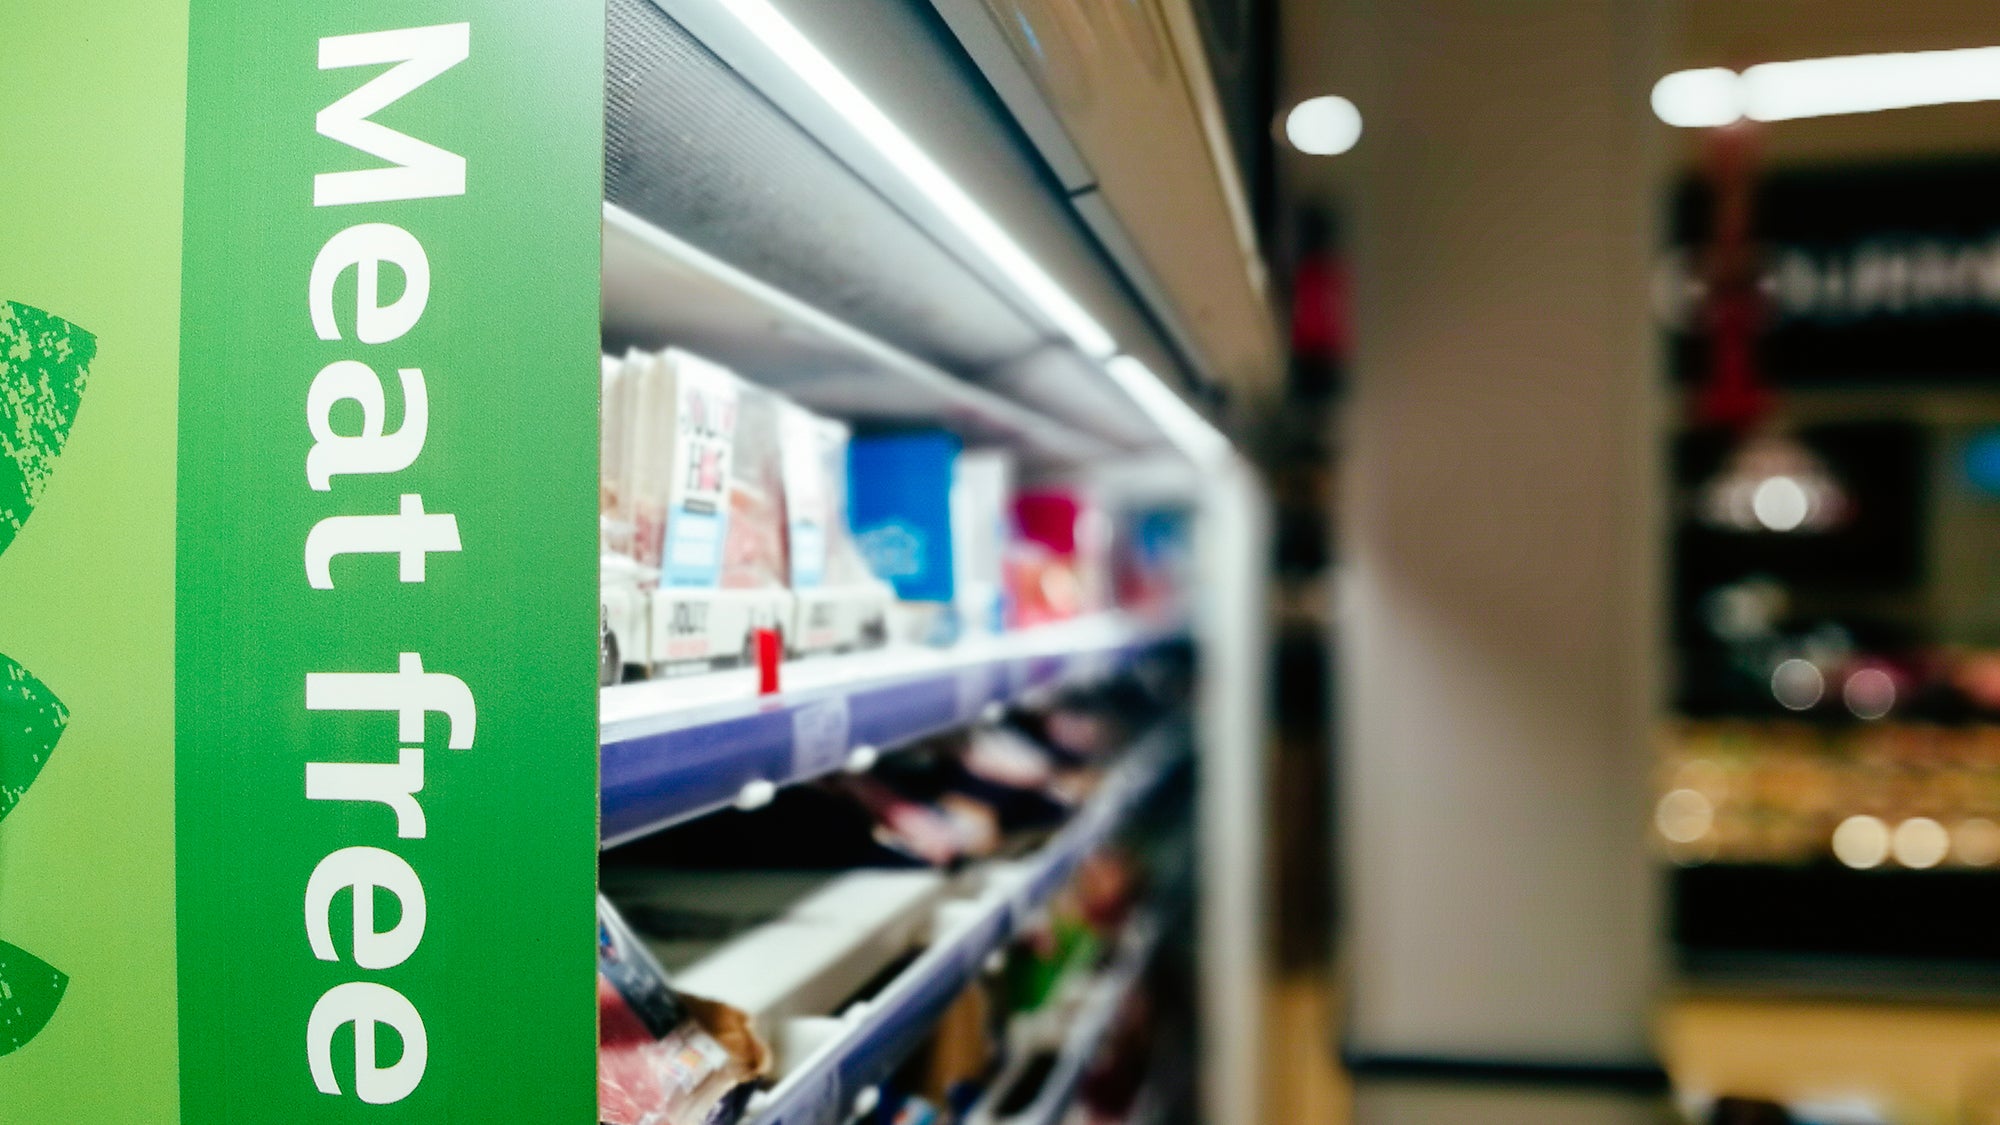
x,y
900,509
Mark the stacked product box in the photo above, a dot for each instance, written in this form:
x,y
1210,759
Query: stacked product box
x,y
623,582
723,516
931,517
839,604
982,486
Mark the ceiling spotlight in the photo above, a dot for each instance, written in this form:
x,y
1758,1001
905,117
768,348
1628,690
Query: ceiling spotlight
x,y
1694,99
1323,126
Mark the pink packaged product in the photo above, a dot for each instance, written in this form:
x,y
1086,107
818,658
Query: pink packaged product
x,y
1059,566
665,1058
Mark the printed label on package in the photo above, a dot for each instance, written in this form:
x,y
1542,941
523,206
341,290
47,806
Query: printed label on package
x,y
704,429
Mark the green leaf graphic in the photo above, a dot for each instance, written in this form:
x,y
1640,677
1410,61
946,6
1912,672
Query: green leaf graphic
x,y
30,989
31,720
44,363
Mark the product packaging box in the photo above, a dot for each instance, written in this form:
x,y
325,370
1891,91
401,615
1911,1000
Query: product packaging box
x,y
623,583
614,499
982,522
838,604
901,510
723,580
1059,565
684,440
1153,562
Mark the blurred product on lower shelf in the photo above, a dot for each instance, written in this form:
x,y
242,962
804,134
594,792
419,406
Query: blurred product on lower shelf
x,y
948,929
1878,795
951,799
903,1109
665,1058
1048,956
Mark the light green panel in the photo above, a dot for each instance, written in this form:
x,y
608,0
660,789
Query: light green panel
x,y
91,133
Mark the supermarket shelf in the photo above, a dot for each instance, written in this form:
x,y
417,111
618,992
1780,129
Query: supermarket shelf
x,y
865,1044
675,749
1088,1031
659,290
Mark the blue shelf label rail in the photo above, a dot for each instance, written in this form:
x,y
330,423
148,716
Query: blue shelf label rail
x,y
687,763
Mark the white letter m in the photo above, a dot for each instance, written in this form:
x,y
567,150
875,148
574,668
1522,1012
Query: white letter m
x,y
417,170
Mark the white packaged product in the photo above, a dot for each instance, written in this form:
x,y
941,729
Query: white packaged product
x,y
813,453
982,490
623,584
614,495
700,624
838,604
685,411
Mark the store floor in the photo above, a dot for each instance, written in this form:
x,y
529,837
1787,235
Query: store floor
x,y
1923,1064
1302,1084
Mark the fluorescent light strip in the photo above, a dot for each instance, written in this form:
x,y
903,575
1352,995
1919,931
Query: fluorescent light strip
x,y
1869,83
1789,91
784,39
1185,428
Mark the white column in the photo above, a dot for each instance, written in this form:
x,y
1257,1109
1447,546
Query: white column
x,y
1500,536
1234,691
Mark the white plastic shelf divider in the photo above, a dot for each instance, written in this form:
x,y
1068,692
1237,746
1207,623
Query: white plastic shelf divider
x,y
821,951
661,290
877,1034
675,749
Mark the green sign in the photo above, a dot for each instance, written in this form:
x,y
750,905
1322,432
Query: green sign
x,y
298,611
386,626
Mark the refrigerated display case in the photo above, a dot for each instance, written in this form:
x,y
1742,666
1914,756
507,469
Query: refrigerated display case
x,y
396,920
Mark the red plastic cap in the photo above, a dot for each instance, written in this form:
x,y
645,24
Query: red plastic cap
x,y
770,653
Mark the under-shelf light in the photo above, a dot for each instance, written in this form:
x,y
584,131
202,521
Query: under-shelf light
x,y
1185,428
784,40
1800,88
